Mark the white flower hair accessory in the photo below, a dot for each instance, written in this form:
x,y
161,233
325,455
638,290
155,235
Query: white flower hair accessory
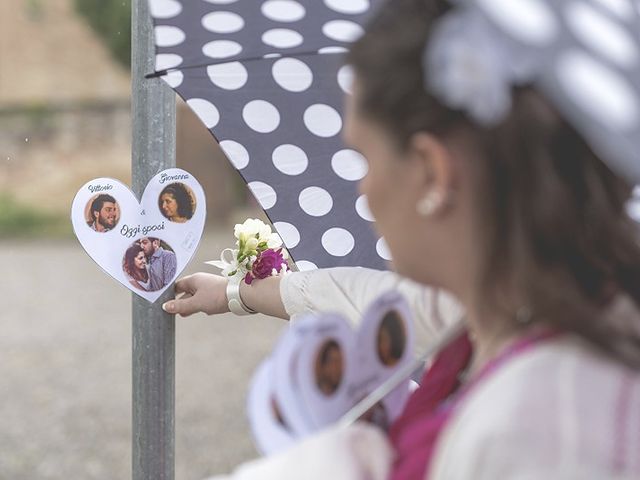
x,y
481,49
467,69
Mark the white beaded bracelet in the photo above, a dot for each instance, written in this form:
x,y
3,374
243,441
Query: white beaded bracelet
x,y
234,301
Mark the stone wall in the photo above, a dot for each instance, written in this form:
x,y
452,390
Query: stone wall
x,y
47,153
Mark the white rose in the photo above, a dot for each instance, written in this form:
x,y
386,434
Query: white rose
x,y
250,228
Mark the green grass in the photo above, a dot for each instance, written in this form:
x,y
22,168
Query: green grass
x,y
18,220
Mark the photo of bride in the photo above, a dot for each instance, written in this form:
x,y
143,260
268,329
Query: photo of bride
x,y
136,268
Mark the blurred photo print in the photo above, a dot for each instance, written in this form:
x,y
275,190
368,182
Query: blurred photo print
x,y
329,367
391,339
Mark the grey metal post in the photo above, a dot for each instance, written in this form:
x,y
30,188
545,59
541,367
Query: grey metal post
x,y
153,113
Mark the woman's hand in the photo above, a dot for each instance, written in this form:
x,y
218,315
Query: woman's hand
x,y
201,292
204,292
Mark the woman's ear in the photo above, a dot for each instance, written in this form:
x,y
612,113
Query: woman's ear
x,y
435,172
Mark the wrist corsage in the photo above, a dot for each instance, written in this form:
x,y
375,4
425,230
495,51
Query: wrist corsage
x,y
258,254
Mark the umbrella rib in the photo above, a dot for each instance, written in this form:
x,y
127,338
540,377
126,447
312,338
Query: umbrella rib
x,y
166,71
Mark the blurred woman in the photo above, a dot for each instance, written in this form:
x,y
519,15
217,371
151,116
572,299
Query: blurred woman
x,y
490,177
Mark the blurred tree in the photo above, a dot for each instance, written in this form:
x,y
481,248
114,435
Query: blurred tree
x,y
111,19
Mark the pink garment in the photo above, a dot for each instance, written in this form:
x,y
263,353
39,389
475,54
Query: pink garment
x,y
415,433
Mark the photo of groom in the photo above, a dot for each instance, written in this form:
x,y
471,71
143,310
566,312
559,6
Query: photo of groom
x,y
161,262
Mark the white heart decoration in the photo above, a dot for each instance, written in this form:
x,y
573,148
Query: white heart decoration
x,y
143,244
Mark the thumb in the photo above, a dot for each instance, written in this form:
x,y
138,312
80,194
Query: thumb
x,y
181,306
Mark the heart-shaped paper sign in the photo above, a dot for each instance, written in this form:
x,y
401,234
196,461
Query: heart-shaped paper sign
x,y
143,245
321,368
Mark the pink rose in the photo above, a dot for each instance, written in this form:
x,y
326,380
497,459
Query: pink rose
x,y
263,267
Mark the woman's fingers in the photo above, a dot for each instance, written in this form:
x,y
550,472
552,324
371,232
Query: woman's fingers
x,y
200,292
184,306
184,285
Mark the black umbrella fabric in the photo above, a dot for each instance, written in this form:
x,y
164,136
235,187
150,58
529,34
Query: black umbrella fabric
x,y
267,79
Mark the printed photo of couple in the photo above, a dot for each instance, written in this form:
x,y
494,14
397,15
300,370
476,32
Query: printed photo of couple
x,y
177,202
102,213
149,264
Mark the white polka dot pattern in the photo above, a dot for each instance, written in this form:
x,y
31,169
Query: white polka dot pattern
x,y
602,34
362,207
315,201
206,110
264,193
383,249
584,55
621,8
261,116
229,76
597,90
338,242
283,10
292,74
223,22
322,120
249,72
164,8
349,164
530,21
221,49
282,38
345,78
167,36
167,60
342,30
174,79
290,159
236,153
289,233
306,265
276,110
348,6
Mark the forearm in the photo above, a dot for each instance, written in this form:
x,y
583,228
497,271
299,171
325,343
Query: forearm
x,y
345,290
348,291
263,296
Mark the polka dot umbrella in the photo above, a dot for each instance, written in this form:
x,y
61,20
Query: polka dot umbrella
x,y
267,79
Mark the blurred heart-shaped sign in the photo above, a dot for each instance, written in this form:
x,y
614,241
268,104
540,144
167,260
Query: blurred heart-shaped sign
x,y
322,367
143,244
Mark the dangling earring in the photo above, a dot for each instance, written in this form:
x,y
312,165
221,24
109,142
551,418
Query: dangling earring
x,y
428,204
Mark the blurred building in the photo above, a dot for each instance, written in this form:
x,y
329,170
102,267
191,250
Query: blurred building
x,y
65,112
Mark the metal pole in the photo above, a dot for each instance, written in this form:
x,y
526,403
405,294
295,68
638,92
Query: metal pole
x,y
153,111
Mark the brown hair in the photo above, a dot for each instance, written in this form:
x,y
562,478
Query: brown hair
x,y
553,215
181,194
128,263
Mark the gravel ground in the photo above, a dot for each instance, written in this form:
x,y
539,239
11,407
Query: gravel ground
x,y
65,371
